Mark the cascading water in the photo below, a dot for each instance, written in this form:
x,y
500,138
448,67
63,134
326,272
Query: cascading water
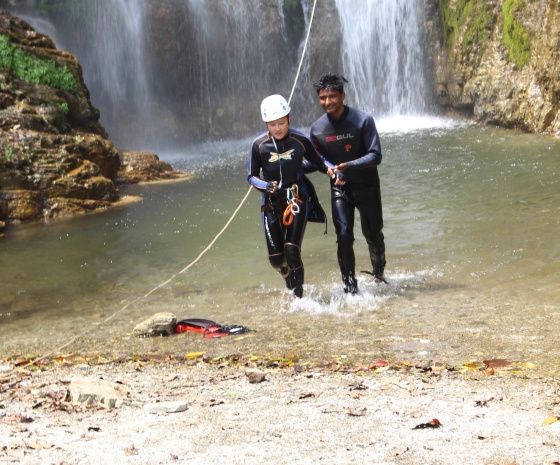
x,y
382,56
233,60
164,74
242,51
115,66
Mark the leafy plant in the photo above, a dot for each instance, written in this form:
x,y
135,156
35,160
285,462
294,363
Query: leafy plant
x,y
64,108
31,69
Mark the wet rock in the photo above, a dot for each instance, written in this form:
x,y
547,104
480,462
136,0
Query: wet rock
x,y
255,376
4,368
55,156
159,324
485,79
138,166
166,407
90,391
20,204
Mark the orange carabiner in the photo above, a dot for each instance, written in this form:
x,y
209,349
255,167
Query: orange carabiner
x,y
288,217
292,208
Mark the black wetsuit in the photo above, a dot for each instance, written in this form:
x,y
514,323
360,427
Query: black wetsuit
x,y
281,161
353,139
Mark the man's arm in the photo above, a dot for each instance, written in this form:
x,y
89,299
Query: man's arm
x,y
372,144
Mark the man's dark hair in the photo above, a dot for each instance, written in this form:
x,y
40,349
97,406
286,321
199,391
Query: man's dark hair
x,y
330,81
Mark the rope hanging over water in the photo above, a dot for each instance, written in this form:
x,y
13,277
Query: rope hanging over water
x,y
234,214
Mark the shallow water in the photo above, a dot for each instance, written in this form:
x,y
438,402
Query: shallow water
x,y
471,224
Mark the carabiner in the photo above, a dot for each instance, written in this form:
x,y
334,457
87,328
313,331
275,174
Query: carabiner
x,y
292,208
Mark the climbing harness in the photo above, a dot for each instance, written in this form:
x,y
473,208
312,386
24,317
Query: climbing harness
x,y
89,330
292,208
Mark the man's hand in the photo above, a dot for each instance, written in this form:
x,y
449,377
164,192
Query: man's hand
x,y
271,186
339,178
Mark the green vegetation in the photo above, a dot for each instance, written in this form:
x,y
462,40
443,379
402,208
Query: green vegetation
x,y
515,37
64,108
7,151
478,28
34,70
474,17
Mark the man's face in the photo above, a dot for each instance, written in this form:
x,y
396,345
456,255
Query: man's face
x,y
332,102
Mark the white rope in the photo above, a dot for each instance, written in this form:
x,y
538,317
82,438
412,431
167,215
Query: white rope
x,y
303,51
201,253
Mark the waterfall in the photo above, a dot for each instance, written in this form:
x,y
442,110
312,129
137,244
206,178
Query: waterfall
x,y
112,57
236,64
225,43
382,55
167,73
117,54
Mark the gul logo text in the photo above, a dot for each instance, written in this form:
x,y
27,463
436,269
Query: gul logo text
x,y
338,137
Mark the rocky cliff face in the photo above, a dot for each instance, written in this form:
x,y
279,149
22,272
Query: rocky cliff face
x,y
55,157
498,60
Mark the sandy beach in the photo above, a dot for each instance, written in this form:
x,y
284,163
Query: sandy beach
x,y
191,411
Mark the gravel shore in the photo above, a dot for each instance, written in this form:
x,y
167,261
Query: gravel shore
x,y
382,415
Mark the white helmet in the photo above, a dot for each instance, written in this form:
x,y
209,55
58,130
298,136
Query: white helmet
x,y
274,107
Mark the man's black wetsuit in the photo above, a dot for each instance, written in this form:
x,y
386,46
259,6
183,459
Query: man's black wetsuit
x,y
281,161
353,139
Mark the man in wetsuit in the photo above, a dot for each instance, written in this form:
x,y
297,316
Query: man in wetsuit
x,y
274,168
348,138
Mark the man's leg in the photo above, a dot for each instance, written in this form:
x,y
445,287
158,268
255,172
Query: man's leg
x,y
343,219
376,246
371,217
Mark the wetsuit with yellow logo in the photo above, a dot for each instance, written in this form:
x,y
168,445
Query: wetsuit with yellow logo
x,y
281,161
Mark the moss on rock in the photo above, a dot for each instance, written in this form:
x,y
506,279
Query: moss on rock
x,y
515,37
